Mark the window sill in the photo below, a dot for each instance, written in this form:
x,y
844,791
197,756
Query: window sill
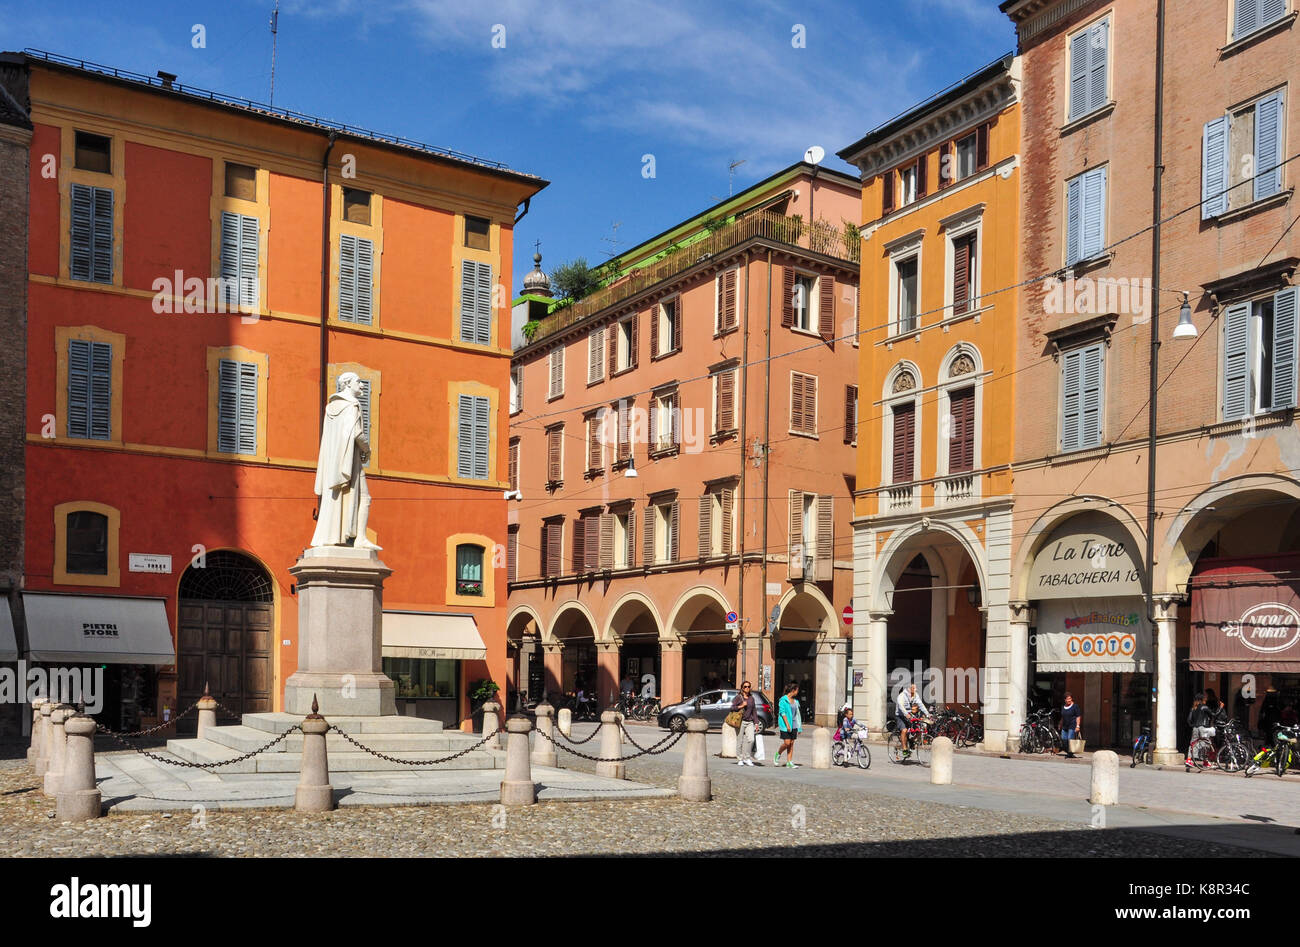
x,y
622,371
972,313
719,333
1083,453
660,452
655,358
1100,112
808,332
1264,203
1276,26
813,437
555,397
592,383
890,340
717,437
1282,417
553,485
593,472
1089,264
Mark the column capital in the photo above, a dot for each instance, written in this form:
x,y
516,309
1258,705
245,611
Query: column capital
x,y
670,644
604,647
1019,610
552,647
1165,607
881,615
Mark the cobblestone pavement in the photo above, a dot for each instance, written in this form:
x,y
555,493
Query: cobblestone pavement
x,y
781,819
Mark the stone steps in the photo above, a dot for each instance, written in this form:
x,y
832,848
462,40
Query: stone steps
x,y
246,739
280,722
342,761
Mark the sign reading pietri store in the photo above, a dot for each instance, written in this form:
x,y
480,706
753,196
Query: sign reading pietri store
x,y
1084,564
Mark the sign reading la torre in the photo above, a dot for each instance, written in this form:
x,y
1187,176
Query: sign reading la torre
x,y
1084,564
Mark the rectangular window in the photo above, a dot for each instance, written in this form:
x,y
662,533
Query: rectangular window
x,y
961,430
667,421
90,389
1251,15
555,454
907,179
514,464
356,206
473,431
803,403
1241,155
725,301
622,526
595,355
91,242
908,298
356,278
666,519
236,407
476,302
420,678
850,414
1089,63
811,553
595,444
556,365
1085,224
516,389
666,327
623,345
87,543
805,290
588,527
904,442
715,530
478,233
469,569
93,153
1259,355
512,553
1082,394
239,259
964,157
623,430
724,401
553,548
963,275
241,182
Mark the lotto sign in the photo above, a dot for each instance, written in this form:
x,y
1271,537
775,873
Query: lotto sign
x,y
1099,634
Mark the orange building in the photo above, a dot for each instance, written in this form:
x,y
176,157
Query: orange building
x,y
932,514
182,340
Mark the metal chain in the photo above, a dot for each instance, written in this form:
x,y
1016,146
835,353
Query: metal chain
x,y
144,733
205,766
674,737
394,759
583,740
652,750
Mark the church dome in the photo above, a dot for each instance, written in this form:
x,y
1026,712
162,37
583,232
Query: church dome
x,y
537,283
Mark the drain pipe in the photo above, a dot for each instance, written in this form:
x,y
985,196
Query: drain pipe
x,y
767,433
325,276
738,515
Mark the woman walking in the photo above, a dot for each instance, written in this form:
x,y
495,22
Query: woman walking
x,y
790,723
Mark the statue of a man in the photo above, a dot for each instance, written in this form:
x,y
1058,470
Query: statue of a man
x,y
340,479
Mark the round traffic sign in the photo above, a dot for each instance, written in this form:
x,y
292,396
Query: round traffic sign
x,y
848,614
732,617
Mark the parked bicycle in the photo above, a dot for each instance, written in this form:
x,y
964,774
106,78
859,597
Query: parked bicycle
x,y
1280,755
1142,748
1229,751
1037,734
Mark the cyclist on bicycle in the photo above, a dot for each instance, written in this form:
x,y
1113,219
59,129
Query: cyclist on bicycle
x,y
848,725
907,707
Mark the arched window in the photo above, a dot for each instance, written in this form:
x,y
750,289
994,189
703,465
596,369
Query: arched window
x,y
469,569
85,544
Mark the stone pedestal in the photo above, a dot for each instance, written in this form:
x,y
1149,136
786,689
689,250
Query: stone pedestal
x,y
694,784
340,617
1104,789
207,706
564,721
314,793
34,749
491,724
729,740
41,764
78,798
610,747
543,748
517,789
58,742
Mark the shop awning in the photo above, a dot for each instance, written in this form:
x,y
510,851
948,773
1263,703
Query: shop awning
x,y
1246,615
432,635
90,629
8,643
1093,635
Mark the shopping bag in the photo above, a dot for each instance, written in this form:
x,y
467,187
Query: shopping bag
x,y
1076,747
758,747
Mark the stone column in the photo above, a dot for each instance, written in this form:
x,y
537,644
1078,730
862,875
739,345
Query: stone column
x,y
315,794
207,707
41,765
58,744
607,673
340,617
670,670
34,750
553,670
491,724
875,680
1009,696
1166,710
610,747
78,797
832,664
941,762
544,749
517,789
694,785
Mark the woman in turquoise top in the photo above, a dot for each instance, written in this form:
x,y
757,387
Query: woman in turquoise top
x,y
790,724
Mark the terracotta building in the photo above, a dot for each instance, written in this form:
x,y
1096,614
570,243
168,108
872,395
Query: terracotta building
x,y
932,513
1157,169
202,269
720,369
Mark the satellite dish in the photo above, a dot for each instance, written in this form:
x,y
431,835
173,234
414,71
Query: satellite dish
x,y
814,154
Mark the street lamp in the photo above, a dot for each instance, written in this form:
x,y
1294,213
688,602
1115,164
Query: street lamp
x,y
1185,329
631,467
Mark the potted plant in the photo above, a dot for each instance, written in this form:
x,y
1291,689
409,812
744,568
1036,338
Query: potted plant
x,y
480,692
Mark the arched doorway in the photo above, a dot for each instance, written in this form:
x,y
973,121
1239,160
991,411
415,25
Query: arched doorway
x,y
708,648
633,623
575,667
526,679
799,655
225,632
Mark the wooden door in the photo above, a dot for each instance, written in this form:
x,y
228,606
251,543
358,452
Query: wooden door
x,y
226,645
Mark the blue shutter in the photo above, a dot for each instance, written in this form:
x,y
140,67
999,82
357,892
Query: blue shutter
x,y
483,299
101,390
468,301
1098,41
91,239
1236,362
482,423
1268,145
1079,75
465,437
229,258
1214,167
78,388
228,406
1091,396
79,259
365,260
1245,17
1270,10
247,408
1093,238
1070,397
90,389
1073,213
102,232
347,278
248,282
364,401
1284,349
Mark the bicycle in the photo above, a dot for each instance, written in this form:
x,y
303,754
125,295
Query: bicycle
x,y
1037,735
918,741
852,748
1280,756
1142,748
1236,752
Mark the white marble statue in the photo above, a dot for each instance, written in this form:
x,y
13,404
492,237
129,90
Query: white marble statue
x,y
340,479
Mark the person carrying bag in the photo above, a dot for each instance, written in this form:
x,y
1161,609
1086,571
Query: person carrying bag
x,y
743,720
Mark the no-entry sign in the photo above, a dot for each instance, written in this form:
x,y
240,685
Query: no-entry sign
x,y
848,614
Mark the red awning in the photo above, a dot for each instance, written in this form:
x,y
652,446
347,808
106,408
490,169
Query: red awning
x,y
1246,614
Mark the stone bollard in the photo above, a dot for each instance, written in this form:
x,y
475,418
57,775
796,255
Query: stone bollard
x,y
34,749
730,737
207,713
610,746
58,743
517,788
491,724
79,798
1105,778
941,762
315,794
821,752
42,763
543,748
564,722
694,785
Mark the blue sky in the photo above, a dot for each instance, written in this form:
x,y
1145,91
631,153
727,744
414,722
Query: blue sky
x,y
579,93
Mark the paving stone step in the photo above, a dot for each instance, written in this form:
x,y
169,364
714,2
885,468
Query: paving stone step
x,y
247,739
280,722
342,761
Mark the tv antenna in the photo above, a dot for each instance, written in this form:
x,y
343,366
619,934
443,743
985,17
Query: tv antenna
x,y
731,173
275,26
612,239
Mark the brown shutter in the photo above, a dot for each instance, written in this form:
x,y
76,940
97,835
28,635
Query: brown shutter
x,y
795,538
729,299
579,535
595,354
727,400
825,538
904,441
675,531
512,554
624,435
787,299
631,537
946,170
921,164
554,553
592,546
796,402
634,347
677,325
614,333
826,308
706,526
649,538
960,276
593,442
514,465
961,445
810,404
982,147
850,414
674,420
887,185
553,471
655,314
728,542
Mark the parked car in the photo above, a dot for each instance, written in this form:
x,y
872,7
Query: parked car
x,y
714,706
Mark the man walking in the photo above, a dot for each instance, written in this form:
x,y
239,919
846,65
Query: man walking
x,y
744,702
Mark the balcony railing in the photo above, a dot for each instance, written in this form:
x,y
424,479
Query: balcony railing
x,y
901,498
958,488
821,237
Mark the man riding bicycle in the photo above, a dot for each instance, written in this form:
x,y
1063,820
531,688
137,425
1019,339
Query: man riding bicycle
x,y
908,707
